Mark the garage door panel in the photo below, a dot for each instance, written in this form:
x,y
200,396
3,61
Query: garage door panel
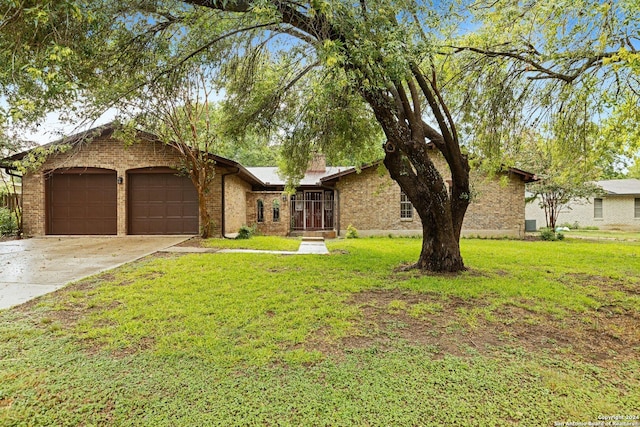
x,y
181,210
174,211
175,194
162,203
82,203
158,194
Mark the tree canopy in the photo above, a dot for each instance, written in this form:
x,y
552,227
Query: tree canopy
x,y
343,77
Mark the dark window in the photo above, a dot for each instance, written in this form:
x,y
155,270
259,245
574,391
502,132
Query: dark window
x,y
597,208
260,211
637,208
276,211
299,201
406,208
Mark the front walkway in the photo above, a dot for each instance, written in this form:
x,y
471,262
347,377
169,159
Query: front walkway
x,y
309,245
313,245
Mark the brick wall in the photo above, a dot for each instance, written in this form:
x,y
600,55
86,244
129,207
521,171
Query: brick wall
x,y
235,202
497,208
370,201
107,153
279,228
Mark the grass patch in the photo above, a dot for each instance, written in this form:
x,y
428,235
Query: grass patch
x,y
534,333
605,234
267,243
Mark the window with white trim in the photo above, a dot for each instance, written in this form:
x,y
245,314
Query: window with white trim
x,y
406,207
597,208
637,208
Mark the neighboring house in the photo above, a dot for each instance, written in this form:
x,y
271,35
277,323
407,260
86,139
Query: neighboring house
x,y
102,186
617,208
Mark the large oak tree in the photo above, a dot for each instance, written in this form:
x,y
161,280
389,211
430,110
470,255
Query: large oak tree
x,y
463,78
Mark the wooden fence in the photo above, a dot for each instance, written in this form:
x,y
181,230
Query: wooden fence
x,y
11,201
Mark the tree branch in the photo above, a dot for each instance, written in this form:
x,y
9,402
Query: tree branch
x,y
404,102
315,26
300,75
208,45
226,5
537,66
433,103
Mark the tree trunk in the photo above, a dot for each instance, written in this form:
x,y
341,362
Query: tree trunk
x,y
408,161
205,217
202,174
429,196
440,252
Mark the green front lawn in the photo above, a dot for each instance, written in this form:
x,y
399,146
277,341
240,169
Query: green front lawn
x,y
604,234
534,333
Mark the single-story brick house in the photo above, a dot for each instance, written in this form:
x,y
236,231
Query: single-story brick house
x,y
617,208
105,187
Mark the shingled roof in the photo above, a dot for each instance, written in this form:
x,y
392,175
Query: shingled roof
x,y
620,187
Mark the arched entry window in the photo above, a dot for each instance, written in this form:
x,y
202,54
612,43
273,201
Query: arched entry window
x,y
260,210
276,210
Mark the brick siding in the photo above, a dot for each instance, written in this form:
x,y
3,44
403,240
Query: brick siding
x,y
107,153
269,227
235,203
370,201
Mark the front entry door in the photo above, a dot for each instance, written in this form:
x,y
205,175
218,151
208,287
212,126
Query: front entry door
x,y
313,210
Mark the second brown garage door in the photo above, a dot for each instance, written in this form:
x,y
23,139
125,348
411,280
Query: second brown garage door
x,y
162,203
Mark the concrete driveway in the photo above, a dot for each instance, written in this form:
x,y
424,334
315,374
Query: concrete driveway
x,y
34,267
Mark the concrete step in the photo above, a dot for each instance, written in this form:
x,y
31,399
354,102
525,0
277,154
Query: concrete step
x,y
326,234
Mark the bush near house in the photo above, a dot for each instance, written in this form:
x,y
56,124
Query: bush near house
x,y
550,235
8,223
245,232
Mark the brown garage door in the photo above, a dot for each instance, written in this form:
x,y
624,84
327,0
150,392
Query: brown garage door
x,y
82,201
162,203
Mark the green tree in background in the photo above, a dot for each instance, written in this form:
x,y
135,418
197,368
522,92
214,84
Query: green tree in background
x,y
564,177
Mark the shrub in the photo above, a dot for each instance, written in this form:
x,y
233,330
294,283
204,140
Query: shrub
x,y
352,233
8,223
245,232
548,234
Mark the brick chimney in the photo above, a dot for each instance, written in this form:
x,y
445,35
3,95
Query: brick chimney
x,y
318,163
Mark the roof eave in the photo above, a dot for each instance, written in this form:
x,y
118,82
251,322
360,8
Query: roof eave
x,y
526,177
242,171
349,171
